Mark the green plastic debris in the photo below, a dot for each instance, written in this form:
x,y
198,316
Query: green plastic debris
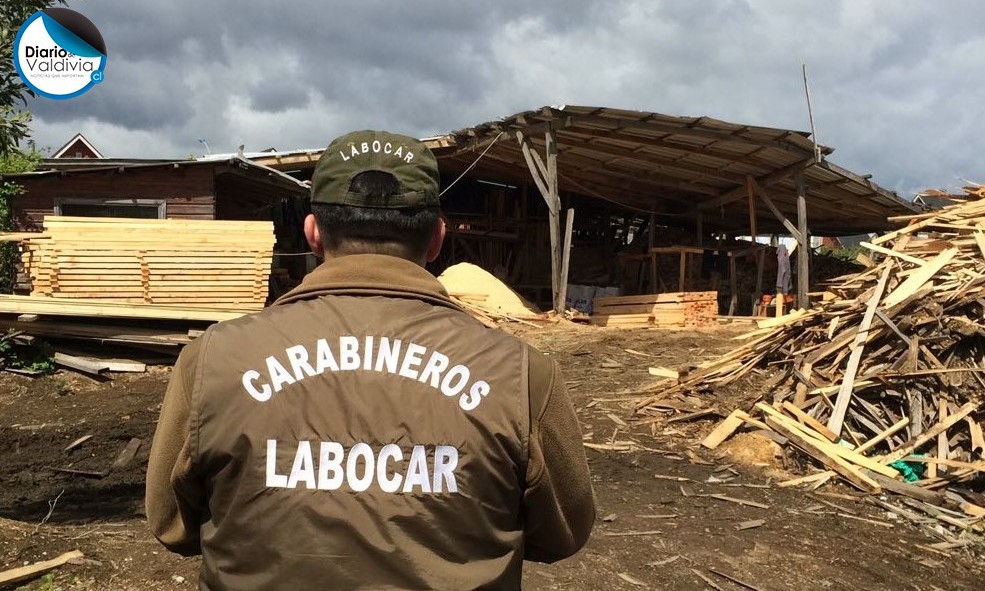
x,y
911,471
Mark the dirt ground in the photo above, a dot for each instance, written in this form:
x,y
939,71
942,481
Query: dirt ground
x,y
658,526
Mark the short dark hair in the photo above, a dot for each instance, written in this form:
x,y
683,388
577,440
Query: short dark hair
x,y
363,230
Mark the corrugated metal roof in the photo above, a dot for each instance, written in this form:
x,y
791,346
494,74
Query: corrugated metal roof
x,y
678,166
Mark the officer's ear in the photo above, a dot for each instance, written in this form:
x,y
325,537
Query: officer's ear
x,y
313,235
436,240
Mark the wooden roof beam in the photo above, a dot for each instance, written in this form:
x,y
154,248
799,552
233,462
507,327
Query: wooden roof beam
x,y
621,154
656,161
664,143
615,174
765,181
593,124
597,123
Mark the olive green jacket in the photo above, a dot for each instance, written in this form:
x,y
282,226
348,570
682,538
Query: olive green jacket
x,y
366,433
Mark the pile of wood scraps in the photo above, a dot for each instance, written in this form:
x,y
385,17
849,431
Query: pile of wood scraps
x,y
477,306
191,263
486,297
884,385
659,310
36,345
146,333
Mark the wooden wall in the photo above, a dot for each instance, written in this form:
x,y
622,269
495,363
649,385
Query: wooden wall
x,y
189,191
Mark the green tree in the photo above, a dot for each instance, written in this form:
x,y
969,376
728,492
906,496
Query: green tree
x,y
14,161
15,119
15,122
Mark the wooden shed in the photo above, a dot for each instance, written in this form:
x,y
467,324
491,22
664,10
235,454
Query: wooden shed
x,y
652,193
233,188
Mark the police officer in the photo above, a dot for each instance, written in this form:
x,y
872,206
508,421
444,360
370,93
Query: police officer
x,y
364,432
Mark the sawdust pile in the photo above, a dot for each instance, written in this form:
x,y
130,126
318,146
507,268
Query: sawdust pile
x,y
477,288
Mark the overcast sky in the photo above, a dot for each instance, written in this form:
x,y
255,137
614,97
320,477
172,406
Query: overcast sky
x,y
896,86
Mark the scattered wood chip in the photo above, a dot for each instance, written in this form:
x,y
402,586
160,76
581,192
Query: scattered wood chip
x,y
86,473
607,446
807,479
78,442
749,485
664,372
930,548
127,454
707,580
735,580
673,478
691,416
617,420
871,521
724,430
618,534
609,518
837,507
712,479
631,580
24,573
753,523
739,501
665,561
696,459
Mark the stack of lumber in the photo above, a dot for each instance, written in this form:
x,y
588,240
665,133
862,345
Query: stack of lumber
x,y
889,370
186,263
659,310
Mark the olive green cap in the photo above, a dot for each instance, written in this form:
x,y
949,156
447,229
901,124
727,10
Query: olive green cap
x,y
406,158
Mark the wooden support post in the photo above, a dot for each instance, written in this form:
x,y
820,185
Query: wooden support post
x,y
752,208
569,223
776,212
651,241
803,255
681,283
760,269
545,177
555,211
733,285
699,229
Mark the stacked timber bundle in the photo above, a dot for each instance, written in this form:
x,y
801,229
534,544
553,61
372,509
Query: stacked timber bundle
x,y
884,381
659,310
189,263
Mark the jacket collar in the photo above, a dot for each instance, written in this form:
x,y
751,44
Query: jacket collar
x,y
370,274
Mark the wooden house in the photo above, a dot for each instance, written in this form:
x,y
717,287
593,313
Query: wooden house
x,y
230,189
77,147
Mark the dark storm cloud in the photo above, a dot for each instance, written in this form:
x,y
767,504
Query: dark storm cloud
x,y
153,103
892,83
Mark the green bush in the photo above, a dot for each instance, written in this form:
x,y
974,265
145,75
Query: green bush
x,y
16,161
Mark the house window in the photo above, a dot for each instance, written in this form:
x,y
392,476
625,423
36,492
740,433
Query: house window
x,y
112,208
